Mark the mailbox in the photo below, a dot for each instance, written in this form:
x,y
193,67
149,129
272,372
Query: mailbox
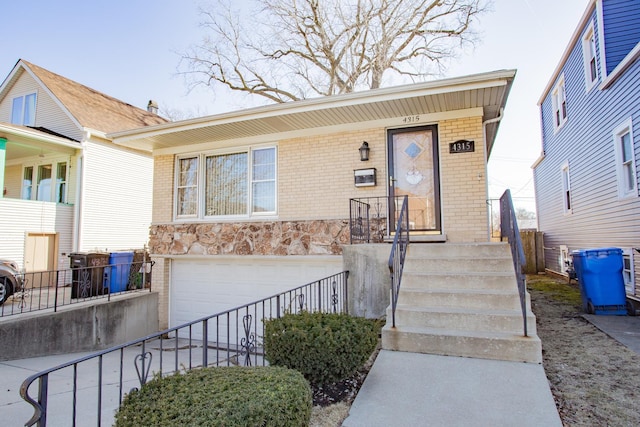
x,y
365,177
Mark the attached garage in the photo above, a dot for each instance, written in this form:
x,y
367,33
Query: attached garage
x,y
201,287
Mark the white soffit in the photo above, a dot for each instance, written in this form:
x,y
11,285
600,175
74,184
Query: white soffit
x,y
488,91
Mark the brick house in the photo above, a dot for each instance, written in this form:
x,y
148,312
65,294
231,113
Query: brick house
x,y
255,201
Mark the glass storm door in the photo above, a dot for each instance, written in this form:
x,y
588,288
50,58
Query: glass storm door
x,y
413,171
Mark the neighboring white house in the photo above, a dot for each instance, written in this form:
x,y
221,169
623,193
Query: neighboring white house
x,y
65,186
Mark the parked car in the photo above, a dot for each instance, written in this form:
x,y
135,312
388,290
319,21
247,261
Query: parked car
x,y
10,279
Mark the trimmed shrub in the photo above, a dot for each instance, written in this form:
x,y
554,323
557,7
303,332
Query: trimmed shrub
x,y
224,396
325,348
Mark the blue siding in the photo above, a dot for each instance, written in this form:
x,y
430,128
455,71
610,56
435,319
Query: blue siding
x,y
599,218
621,29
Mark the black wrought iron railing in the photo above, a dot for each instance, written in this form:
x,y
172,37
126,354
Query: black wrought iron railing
x,y
368,219
92,388
397,257
50,290
509,231
359,221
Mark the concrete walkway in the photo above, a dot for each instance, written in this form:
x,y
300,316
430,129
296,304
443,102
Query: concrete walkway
x,y
410,389
624,329
402,389
14,410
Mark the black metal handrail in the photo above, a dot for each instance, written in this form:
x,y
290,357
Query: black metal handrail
x,y
50,290
509,230
398,253
229,338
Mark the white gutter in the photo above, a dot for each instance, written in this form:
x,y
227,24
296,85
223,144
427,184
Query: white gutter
x,y
486,165
538,160
476,81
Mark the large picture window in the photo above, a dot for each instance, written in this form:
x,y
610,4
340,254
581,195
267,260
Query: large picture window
x,y
240,183
226,185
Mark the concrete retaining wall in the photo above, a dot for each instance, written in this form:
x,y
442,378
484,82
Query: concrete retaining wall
x,y
369,285
81,327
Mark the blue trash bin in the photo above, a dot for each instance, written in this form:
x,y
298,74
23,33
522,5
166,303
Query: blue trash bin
x,y
119,275
601,282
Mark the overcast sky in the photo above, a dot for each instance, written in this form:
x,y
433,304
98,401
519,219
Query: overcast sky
x,y
129,49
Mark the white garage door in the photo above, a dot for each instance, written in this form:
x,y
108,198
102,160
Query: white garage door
x,y
202,287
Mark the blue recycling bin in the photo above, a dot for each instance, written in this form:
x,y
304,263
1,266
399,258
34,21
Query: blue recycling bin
x,y
601,282
119,275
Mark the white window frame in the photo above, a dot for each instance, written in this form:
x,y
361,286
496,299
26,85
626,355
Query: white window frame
x,y
628,274
622,164
177,186
565,176
559,103
201,184
53,181
21,119
590,58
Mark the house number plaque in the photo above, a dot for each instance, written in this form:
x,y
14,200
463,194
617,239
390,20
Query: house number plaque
x,y
462,146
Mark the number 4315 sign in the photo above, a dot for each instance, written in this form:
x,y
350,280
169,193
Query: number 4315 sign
x,y
462,146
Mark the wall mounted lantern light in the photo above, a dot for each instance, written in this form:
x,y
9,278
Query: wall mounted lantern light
x,y
364,151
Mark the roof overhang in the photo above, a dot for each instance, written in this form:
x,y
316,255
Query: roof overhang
x,y
25,142
479,94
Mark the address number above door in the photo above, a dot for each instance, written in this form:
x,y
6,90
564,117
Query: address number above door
x,y
462,146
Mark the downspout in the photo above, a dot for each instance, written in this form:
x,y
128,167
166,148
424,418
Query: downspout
x,y
486,166
79,206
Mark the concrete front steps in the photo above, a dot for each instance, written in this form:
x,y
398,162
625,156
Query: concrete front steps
x,y
462,300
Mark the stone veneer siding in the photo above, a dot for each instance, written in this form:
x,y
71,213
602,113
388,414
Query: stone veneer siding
x,y
251,238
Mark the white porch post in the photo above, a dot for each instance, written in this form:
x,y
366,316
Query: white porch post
x,y
3,156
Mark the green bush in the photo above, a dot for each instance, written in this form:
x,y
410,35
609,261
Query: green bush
x,y
224,396
325,348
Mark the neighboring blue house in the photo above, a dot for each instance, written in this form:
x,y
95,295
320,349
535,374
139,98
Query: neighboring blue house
x,y
586,177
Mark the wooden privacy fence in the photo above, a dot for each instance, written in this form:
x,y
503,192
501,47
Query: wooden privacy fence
x,y
533,245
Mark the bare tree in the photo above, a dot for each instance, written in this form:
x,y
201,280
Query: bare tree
x,y
176,114
295,49
524,213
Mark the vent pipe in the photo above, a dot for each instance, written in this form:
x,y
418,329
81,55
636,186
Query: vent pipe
x,y
152,107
